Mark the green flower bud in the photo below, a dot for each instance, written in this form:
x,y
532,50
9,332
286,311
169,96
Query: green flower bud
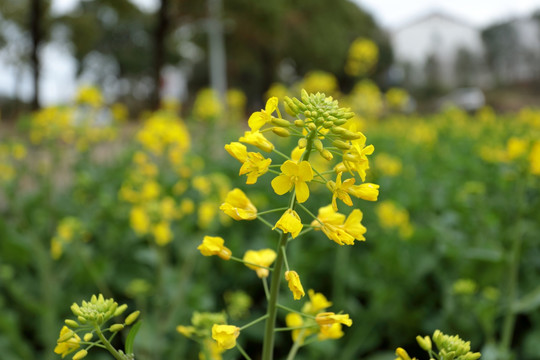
x,y
327,124
132,317
337,130
120,310
88,336
299,123
350,157
68,335
82,320
312,127
304,96
116,327
341,144
340,121
318,144
349,135
71,323
76,309
290,107
307,113
80,354
302,143
299,104
348,115
280,122
281,132
424,342
327,155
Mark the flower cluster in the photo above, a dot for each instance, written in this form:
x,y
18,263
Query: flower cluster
x,y
450,348
325,132
92,317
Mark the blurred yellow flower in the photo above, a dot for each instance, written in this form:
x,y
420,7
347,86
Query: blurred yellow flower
x,y
68,344
534,159
363,56
238,206
264,257
296,175
294,284
214,245
225,335
162,233
332,331
317,302
289,222
329,318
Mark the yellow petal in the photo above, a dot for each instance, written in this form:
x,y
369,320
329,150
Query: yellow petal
x,y
282,184
289,168
271,105
302,191
304,171
256,121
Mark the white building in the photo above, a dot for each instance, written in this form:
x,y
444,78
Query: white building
x,y
438,45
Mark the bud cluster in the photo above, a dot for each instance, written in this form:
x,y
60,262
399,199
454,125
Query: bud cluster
x,y
453,347
91,316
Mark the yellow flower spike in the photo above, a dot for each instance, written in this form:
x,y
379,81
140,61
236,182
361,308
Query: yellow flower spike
x,y
289,223
264,257
238,206
257,139
237,151
214,245
366,191
340,190
225,335
353,225
69,345
255,166
294,284
260,118
296,175
329,318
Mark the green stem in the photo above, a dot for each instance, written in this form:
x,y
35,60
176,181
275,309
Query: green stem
x,y
297,344
254,322
242,351
268,344
107,344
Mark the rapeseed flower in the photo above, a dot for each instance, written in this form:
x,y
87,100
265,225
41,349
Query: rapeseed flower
x,y
260,118
225,335
332,331
257,139
317,303
340,190
264,257
67,342
289,223
294,284
329,318
294,175
238,206
214,245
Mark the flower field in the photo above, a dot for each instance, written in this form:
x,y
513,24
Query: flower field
x,y
441,231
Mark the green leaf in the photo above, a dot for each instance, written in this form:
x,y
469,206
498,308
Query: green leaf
x,y
131,337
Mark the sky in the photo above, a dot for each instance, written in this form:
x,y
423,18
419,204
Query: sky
x,y
58,83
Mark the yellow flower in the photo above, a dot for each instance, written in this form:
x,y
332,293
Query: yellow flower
x,y
329,318
366,191
294,284
255,166
237,151
338,234
238,206
333,331
264,257
296,175
353,226
402,354
260,118
187,331
341,190
139,220
327,215
289,223
356,159
293,320
515,147
162,233
214,245
225,335
257,139
317,302
534,159
67,345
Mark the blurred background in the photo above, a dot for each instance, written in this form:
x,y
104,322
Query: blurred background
x,y
113,119
140,51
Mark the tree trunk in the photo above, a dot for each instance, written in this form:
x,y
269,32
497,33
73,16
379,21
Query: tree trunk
x,y
35,27
159,51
